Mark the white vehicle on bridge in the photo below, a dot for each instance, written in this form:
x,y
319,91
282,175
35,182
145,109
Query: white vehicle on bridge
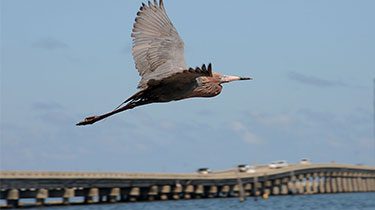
x,y
278,164
246,168
204,171
304,161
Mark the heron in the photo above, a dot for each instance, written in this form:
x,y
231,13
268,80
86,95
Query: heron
x,y
158,52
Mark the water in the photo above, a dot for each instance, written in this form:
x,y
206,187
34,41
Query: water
x,y
347,201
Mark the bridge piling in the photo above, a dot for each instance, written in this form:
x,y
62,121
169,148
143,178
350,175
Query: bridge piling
x,y
93,193
308,184
299,184
315,186
189,190
356,183
177,191
349,186
199,191
213,191
134,194
362,184
267,185
13,198
328,183
41,196
276,187
224,192
339,184
256,186
350,182
359,183
321,187
292,189
248,189
345,187
333,182
284,186
165,191
114,195
67,195
259,188
153,192
369,184
235,190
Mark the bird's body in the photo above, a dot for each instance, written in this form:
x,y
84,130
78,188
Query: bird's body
x,y
158,52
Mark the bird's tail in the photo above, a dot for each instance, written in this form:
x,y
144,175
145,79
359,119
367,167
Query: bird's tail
x,y
134,97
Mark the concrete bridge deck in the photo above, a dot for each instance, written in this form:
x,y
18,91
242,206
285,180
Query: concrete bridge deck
x,y
97,187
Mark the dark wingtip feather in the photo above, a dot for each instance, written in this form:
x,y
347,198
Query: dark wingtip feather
x,y
210,69
161,3
204,67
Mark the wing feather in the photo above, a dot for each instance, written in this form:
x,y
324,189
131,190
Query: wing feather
x,y
158,50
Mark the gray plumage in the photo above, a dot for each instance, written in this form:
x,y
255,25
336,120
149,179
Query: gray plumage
x,y
158,50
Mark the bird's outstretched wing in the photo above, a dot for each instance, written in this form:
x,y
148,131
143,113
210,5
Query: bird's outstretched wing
x,y
158,50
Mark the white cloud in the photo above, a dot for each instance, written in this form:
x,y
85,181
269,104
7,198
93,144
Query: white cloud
x,y
273,119
49,44
319,81
50,105
245,133
314,81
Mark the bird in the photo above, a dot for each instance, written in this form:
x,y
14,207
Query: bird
x,y
158,52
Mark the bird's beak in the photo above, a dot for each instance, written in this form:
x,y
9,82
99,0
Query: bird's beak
x,y
225,78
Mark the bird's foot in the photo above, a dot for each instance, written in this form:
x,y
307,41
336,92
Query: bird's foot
x,y
88,120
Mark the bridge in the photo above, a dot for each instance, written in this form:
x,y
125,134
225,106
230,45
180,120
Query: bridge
x,y
70,188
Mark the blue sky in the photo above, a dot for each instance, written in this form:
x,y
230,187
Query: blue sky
x,y
313,64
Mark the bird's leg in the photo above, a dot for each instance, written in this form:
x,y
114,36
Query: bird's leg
x,y
93,119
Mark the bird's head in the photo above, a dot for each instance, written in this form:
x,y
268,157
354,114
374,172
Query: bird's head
x,y
227,78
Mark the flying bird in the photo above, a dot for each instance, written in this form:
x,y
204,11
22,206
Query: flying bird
x,y
158,52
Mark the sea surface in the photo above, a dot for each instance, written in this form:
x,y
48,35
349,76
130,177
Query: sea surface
x,y
344,201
